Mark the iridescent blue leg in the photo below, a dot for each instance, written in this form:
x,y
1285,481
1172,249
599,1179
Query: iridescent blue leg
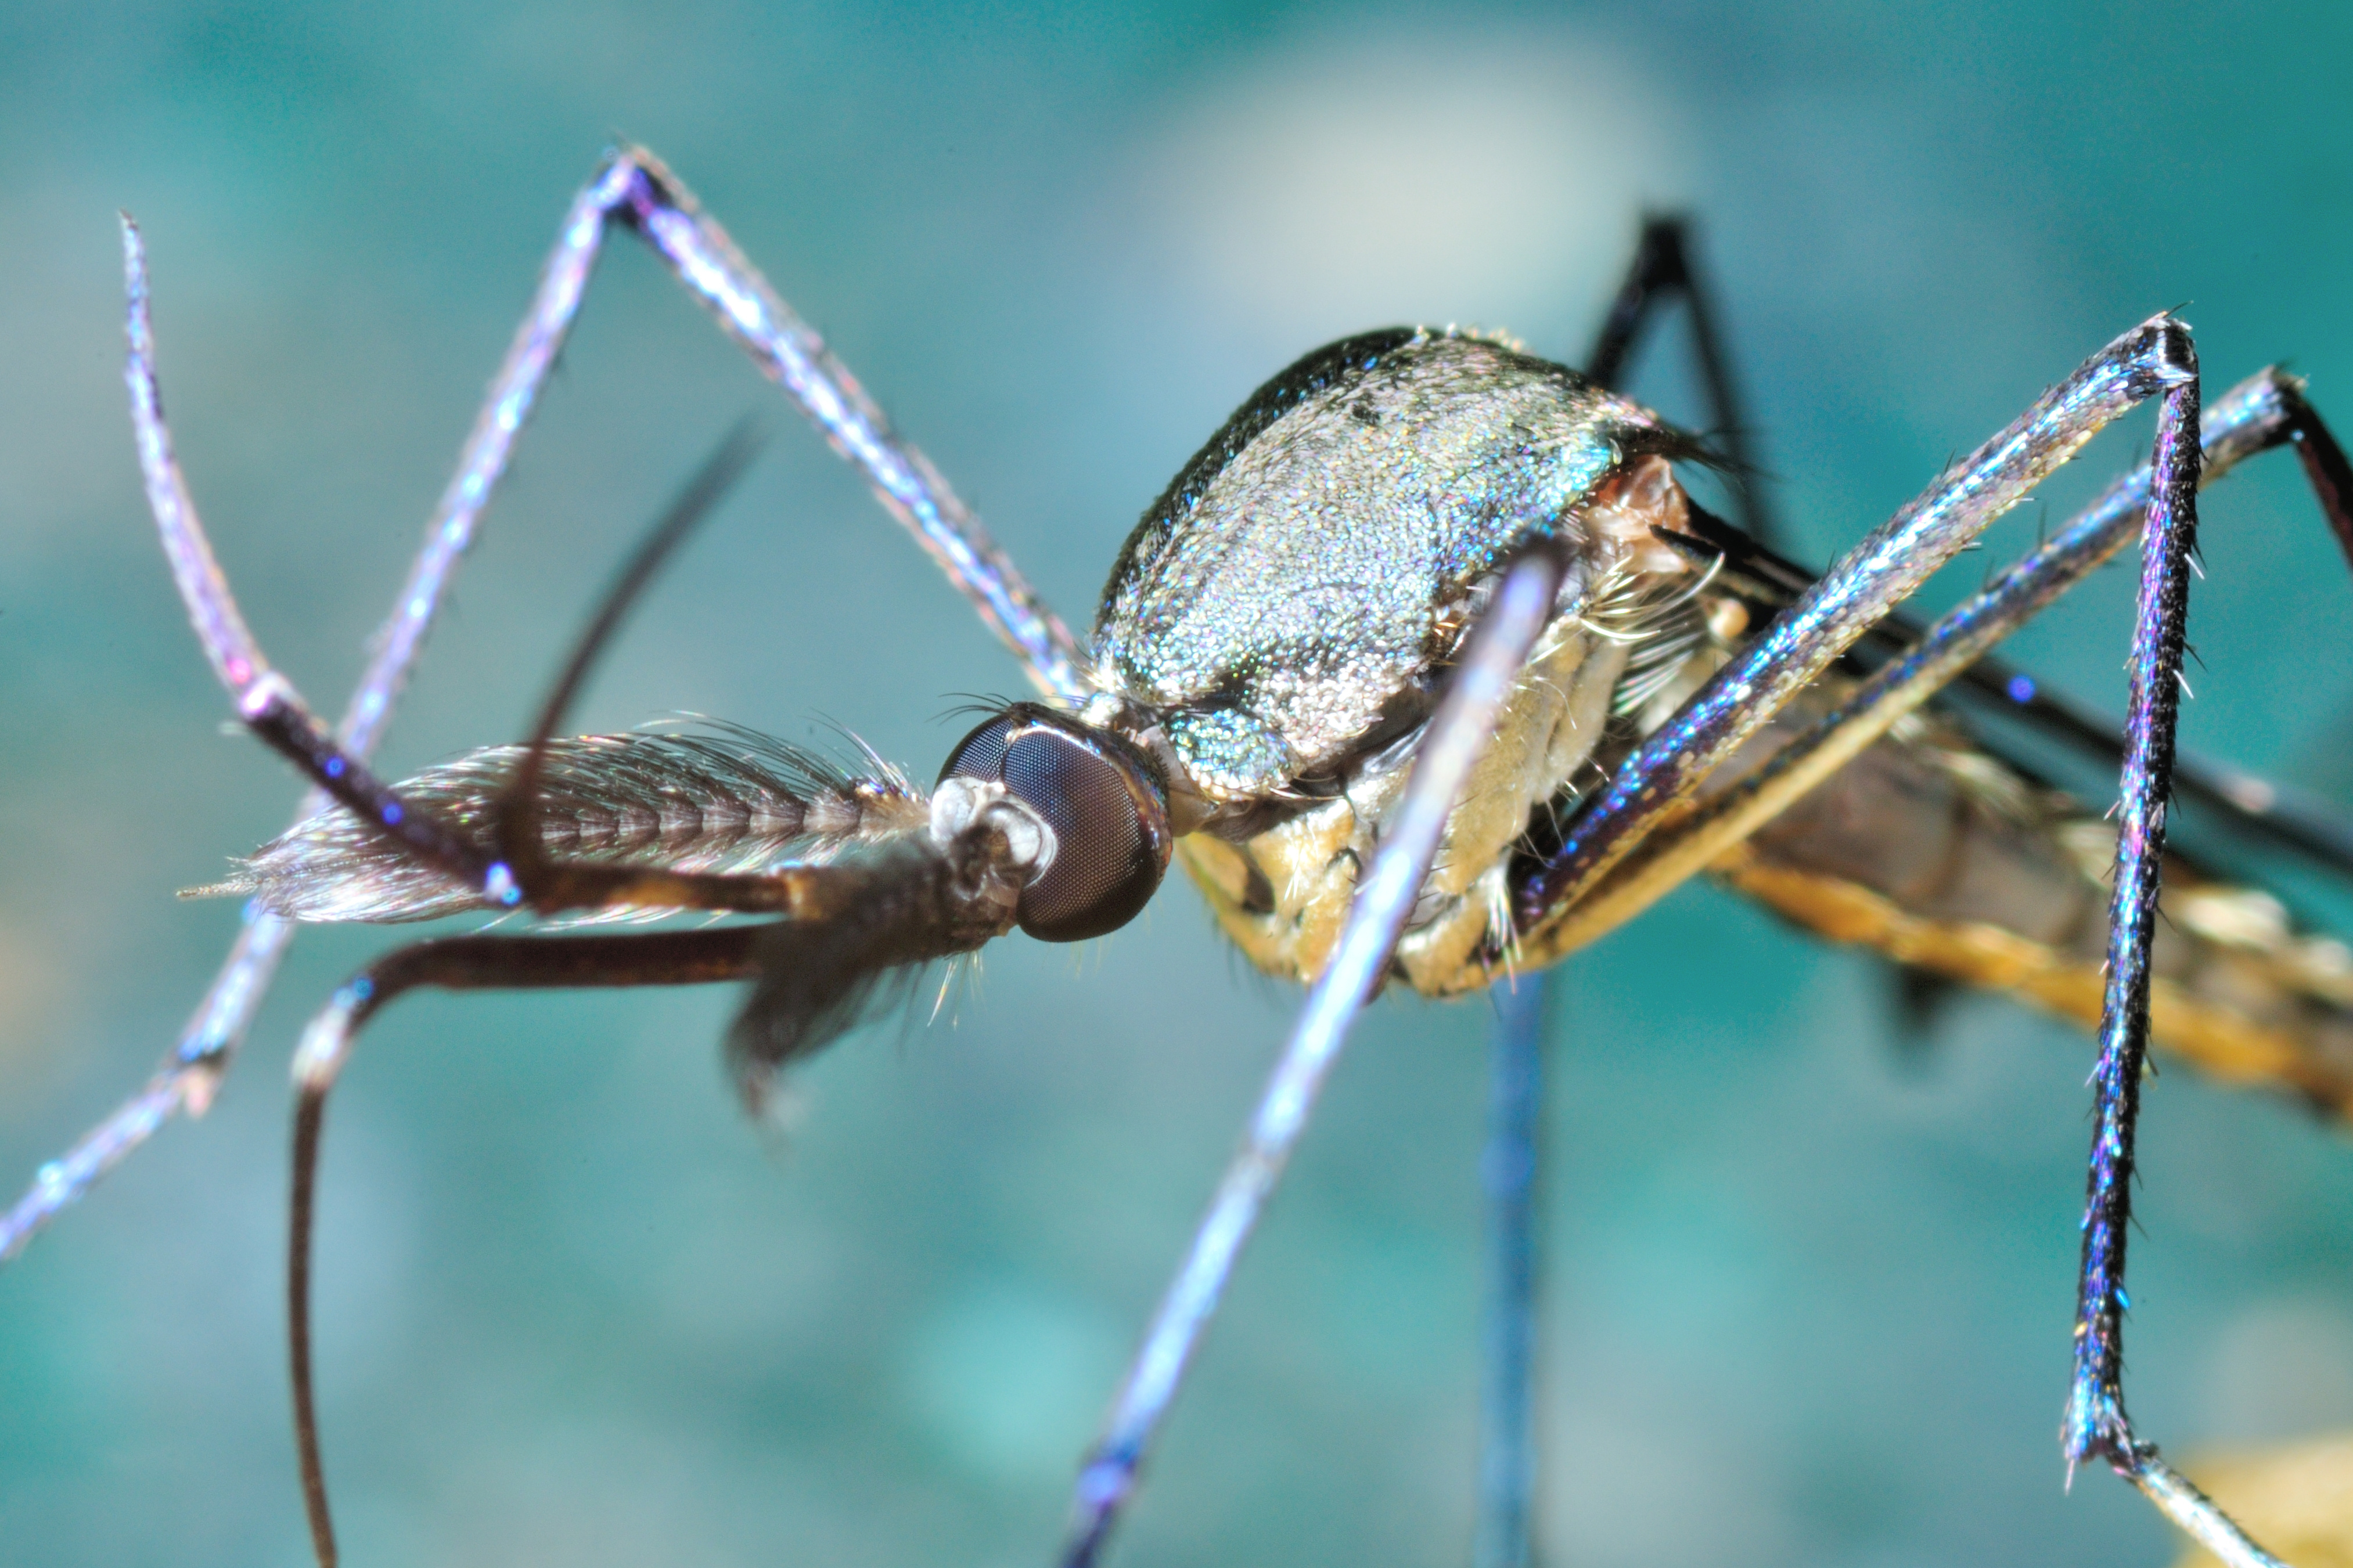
x,y
265,700
193,1070
2097,1424
1661,274
2161,499
2263,412
2262,809
634,188
790,353
1656,785
1508,1170
513,871
1458,733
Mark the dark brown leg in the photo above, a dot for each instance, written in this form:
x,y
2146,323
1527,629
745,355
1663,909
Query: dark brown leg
x,y
454,963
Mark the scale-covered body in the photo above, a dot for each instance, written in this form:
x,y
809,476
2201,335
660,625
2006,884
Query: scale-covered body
x,y
1277,631
1279,627
1286,611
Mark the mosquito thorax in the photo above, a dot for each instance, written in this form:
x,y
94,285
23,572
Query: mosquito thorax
x,y
1290,597
1100,796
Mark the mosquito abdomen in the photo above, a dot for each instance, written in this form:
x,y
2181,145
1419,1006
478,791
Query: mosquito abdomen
x,y
1942,857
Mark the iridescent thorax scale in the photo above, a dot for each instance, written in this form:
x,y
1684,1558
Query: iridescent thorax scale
x,y
1278,627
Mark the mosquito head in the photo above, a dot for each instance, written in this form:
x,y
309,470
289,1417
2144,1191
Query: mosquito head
x,y
1105,804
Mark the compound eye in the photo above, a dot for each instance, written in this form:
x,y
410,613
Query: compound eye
x,y
981,754
1110,821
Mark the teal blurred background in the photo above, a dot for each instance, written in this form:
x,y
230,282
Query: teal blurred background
x,y
1808,1284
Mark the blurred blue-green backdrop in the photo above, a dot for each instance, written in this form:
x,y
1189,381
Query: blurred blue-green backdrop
x,y
1809,1289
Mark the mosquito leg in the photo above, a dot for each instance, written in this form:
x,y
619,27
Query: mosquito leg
x,y
60,1181
2095,1418
2265,411
202,1056
2097,1424
1458,733
633,185
792,355
1657,782
1662,272
2324,465
272,710
1509,1170
454,963
2161,499
2261,413
265,700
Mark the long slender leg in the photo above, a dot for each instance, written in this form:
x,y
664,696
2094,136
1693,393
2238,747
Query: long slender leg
x,y
2261,413
2161,499
2166,501
1457,735
1660,273
457,964
1657,782
2097,1424
791,354
2267,810
632,187
2264,809
2248,802
271,707
265,700
2095,1418
208,1042
1509,1169
2325,466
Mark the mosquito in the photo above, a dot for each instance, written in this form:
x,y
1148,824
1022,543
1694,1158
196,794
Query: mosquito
x,y
1427,668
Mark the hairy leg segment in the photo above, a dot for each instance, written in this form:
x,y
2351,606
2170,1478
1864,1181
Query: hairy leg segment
x,y
633,189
